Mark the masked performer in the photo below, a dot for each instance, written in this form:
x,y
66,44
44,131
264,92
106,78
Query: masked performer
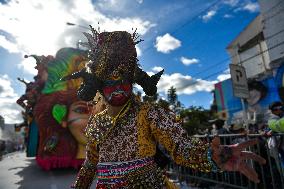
x,y
122,139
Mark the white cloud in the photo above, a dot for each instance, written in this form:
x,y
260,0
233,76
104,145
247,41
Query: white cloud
x,y
184,84
157,68
9,109
28,65
109,2
9,46
112,5
209,15
251,7
231,2
6,90
167,43
137,88
225,75
228,16
116,5
39,27
187,61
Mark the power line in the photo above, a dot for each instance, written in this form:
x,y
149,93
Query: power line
x,y
176,30
218,72
208,68
219,62
216,63
197,16
273,35
189,21
222,61
267,11
278,12
277,45
227,59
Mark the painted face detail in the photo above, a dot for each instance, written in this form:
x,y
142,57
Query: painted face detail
x,y
77,120
117,92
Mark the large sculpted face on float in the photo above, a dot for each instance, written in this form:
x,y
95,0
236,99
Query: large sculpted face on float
x,y
61,117
77,119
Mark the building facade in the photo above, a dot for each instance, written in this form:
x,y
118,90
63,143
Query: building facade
x,y
259,48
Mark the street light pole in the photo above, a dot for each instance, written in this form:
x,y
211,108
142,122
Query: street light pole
x,y
79,42
72,24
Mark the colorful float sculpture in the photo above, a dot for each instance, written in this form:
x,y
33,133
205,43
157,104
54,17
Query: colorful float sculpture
x,y
55,117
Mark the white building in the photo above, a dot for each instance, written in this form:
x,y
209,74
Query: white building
x,y
272,12
8,134
249,49
260,46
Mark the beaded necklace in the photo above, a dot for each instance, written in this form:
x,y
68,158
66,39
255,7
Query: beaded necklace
x,y
123,110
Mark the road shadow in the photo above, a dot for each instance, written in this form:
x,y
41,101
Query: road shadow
x,y
33,177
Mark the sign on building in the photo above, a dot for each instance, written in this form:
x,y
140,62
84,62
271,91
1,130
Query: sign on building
x,y
239,81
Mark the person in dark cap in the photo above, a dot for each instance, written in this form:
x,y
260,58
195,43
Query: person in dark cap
x,y
122,139
276,124
218,125
276,120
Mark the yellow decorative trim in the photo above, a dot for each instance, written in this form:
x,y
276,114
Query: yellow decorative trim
x,y
169,184
146,143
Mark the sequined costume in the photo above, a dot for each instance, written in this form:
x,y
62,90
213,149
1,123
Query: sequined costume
x,y
131,136
121,149
122,140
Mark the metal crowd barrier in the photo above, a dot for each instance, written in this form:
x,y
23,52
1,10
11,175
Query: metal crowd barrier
x,y
271,175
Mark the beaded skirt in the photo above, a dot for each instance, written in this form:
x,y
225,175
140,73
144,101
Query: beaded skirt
x,y
140,173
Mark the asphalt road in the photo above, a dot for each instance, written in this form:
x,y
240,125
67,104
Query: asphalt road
x,y
19,172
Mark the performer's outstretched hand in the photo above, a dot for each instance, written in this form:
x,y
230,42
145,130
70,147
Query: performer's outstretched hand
x,y
232,157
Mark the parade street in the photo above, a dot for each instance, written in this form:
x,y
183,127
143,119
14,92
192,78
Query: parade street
x,y
20,172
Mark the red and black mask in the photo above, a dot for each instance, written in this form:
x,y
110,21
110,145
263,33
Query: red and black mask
x,y
117,92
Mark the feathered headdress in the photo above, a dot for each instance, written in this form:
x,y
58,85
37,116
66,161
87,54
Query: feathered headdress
x,y
115,52
66,61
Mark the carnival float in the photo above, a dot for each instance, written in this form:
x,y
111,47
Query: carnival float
x,y
54,117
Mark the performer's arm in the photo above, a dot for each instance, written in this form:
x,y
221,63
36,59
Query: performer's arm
x,y
87,172
199,155
184,150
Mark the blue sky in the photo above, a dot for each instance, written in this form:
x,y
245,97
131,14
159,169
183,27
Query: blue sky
x,y
185,37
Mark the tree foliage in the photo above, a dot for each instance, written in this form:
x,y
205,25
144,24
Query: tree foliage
x,y
195,119
163,103
172,96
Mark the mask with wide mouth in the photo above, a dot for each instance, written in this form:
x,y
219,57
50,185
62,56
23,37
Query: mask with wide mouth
x,y
118,93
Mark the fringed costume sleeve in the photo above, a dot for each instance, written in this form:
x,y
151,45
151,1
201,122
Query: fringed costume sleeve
x,y
189,152
87,172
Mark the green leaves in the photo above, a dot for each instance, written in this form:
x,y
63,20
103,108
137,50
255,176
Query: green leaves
x,y
59,112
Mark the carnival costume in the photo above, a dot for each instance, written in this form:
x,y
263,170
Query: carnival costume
x,y
121,149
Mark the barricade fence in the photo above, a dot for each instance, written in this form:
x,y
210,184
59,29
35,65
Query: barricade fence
x,y
271,175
